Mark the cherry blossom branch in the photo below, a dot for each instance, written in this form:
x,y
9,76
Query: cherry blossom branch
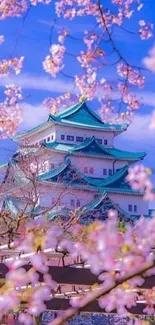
x,y
99,292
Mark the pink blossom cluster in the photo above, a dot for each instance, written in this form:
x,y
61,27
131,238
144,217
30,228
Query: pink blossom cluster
x,y
145,30
128,98
62,35
106,111
87,85
86,58
35,2
133,76
139,180
9,65
15,8
55,104
90,38
12,8
72,8
53,63
126,8
111,255
131,100
93,59
11,113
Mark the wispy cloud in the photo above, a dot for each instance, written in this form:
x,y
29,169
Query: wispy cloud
x,y
74,28
58,85
149,61
139,136
32,116
147,97
27,81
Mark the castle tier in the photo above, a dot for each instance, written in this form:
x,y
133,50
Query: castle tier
x,y
76,167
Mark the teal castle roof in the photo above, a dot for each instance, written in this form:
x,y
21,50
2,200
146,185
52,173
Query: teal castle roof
x,y
78,115
91,147
69,175
81,115
97,209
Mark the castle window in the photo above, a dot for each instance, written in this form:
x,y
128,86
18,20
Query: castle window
x,y
48,139
99,141
104,171
91,170
130,208
105,142
135,208
110,172
70,138
86,170
79,139
52,165
44,140
78,203
72,203
52,137
62,137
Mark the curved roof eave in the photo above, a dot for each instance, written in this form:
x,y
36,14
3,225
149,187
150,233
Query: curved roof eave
x,y
86,126
110,153
39,128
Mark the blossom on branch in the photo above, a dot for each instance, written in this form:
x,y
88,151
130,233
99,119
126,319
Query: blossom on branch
x,y
9,65
53,63
12,8
11,114
145,30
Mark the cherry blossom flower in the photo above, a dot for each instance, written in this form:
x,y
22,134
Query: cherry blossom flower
x,y
11,113
63,101
139,180
133,76
145,30
13,8
7,66
35,2
62,35
54,64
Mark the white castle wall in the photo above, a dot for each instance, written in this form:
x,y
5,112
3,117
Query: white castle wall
x,y
50,160
85,133
49,197
41,135
125,200
94,164
54,132
97,164
54,194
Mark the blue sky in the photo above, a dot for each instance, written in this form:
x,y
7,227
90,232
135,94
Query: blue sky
x,y
32,38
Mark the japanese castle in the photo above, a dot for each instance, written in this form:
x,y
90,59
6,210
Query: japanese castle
x,y
77,167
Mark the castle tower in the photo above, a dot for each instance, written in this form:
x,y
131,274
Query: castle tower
x,y
78,166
